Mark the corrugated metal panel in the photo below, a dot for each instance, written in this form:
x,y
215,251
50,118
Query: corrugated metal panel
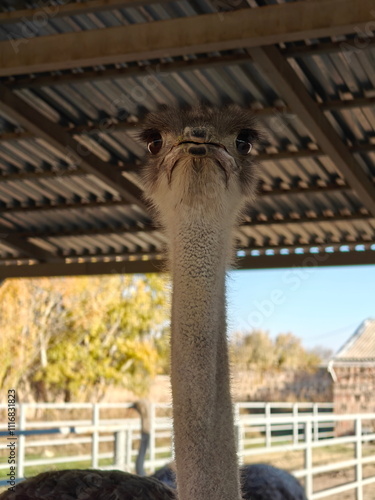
x,y
102,105
43,26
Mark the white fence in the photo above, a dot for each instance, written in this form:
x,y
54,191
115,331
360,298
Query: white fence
x,y
263,429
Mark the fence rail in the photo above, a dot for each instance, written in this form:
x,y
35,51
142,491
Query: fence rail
x,y
262,429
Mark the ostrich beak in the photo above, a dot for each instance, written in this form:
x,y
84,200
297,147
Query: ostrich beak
x,y
200,148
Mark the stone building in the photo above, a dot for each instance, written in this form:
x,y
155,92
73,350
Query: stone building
x,y
353,372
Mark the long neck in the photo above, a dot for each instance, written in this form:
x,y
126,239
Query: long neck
x,y
140,461
206,461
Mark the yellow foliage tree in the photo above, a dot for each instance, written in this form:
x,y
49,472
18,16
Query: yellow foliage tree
x,y
77,336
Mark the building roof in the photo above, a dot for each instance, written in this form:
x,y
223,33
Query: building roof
x,y
77,78
360,346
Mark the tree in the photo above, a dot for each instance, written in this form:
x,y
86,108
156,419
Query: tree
x,y
258,351
254,350
31,312
85,334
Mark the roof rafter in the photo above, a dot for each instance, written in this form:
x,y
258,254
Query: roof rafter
x,y
131,71
199,34
279,71
62,268
292,260
112,124
55,135
278,190
345,47
252,249
24,247
260,220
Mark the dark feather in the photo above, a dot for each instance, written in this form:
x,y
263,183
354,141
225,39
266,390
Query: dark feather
x,y
259,482
89,485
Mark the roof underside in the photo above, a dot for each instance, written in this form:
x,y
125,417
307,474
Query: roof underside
x,y
76,80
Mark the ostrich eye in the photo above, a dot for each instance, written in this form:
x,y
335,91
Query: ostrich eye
x,y
243,142
154,143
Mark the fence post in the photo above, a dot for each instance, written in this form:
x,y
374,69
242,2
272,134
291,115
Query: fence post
x,y
316,423
95,436
267,411
21,445
238,432
120,449
308,459
152,436
358,457
129,449
295,423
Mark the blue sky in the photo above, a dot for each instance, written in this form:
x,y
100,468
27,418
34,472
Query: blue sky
x,y
323,306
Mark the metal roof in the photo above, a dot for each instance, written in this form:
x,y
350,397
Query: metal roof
x,y
360,346
76,80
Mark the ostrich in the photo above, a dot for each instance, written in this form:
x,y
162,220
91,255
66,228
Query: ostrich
x,y
198,177
79,484
143,408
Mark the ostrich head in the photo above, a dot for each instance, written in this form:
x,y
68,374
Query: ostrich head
x,y
199,174
200,159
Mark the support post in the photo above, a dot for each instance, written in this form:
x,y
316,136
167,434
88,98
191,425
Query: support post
x,y
358,457
95,436
120,449
295,424
129,450
238,433
267,411
316,422
308,459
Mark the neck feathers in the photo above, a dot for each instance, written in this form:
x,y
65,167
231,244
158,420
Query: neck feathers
x,y
206,461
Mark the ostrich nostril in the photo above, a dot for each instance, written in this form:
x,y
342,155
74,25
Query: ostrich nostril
x,y
198,132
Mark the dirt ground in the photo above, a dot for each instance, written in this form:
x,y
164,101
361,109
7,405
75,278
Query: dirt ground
x,y
329,455
345,476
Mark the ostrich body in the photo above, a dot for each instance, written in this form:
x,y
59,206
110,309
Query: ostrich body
x,y
199,176
258,482
89,484
265,482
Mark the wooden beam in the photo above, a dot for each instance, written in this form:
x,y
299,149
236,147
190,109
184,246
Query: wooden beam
x,y
250,27
251,250
159,70
127,229
307,260
356,102
345,47
292,260
73,205
113,124
42,14
24,247
54,134
292,90
61,268
288,190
